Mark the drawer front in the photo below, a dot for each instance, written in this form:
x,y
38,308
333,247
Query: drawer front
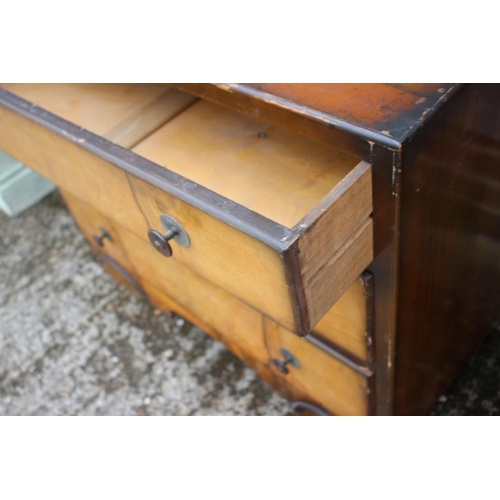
x,y
318,375
345,326
293,275
335,384
173,287
348,325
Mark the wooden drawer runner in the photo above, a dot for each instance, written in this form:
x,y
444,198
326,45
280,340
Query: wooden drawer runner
x,y
276,220
337,386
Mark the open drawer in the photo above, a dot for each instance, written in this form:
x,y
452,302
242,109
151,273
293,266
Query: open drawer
x,y
278,221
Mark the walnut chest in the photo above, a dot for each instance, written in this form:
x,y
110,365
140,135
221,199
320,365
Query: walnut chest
x,y
320,231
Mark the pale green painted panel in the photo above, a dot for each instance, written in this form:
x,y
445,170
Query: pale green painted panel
x,y
20,187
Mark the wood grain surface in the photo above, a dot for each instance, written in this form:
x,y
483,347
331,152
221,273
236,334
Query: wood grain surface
x,y
240,264
320,379
346,323
337,242
329,283
235,261
123,113
273,172
71,167
219,146
433,152
352,116
449,293
175,288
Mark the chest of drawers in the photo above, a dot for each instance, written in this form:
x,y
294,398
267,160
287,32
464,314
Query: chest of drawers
x,y
319,231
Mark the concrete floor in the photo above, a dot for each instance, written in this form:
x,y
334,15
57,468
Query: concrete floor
x,y
74,342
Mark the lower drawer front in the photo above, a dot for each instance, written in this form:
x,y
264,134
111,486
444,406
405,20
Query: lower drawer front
x,y
313,375
348,324
174,287
320,379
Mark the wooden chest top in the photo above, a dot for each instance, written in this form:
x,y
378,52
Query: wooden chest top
x,y
356,115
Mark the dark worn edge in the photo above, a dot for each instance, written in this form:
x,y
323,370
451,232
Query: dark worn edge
x,y
340,350
372,399
326,347
255,225
368,283
296,289
304,405
387,271
313,114
264,110
365,133
104,259
436,108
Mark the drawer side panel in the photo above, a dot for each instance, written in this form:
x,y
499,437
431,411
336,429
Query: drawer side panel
x,y
327,286
335,243
334,221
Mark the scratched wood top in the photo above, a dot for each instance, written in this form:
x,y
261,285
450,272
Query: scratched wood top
x,y
391,109
382,113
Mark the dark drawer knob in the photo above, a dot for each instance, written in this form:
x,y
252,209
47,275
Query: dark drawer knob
x,y
288,359
160,241
104,235
173,231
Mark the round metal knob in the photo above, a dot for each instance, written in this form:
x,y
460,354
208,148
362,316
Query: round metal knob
x,y
160,241
288,359
173,231
281,366
104,235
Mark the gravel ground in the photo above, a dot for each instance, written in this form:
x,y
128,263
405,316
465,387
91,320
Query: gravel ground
x,y
74,342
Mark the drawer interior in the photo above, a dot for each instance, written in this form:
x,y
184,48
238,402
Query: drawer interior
x,y
276,173
124,113
279,221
